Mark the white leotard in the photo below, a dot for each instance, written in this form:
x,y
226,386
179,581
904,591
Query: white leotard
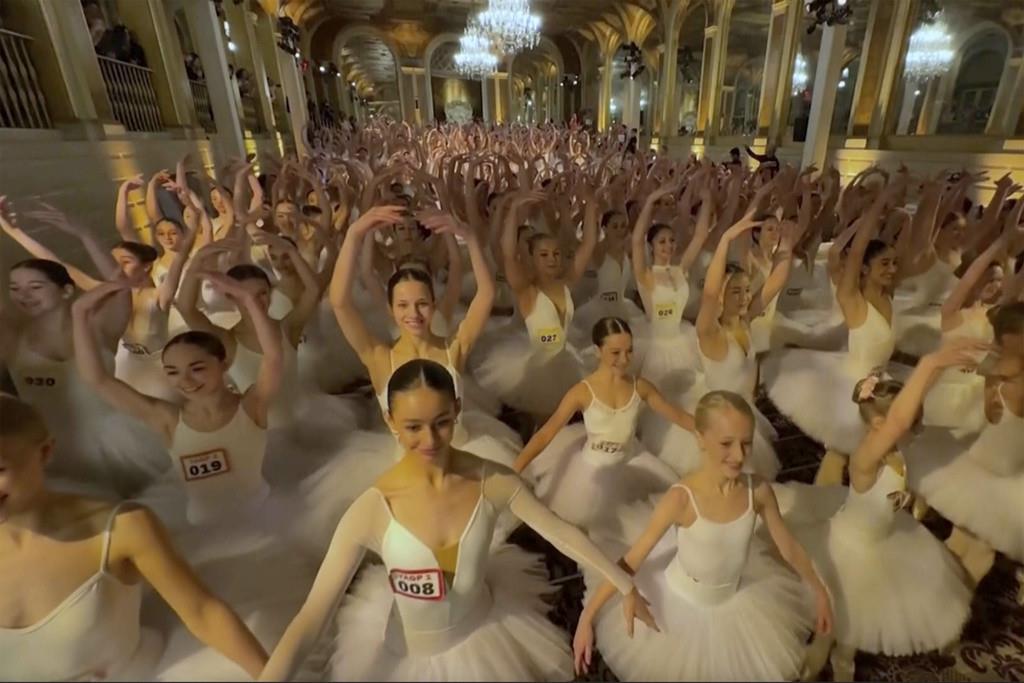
x,y
546,330
870,345
668,299
613,278
711,556
610,431
736,372
999,447
872,512
88,636
930,288
434,609
222,470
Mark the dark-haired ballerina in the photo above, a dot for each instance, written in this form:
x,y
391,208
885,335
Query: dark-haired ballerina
x,y
214,500
813,388
411,300
532,374
585,471
444,605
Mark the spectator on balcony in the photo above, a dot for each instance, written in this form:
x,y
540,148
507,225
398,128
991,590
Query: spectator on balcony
x,y
194,68
95,19
246,87
118,43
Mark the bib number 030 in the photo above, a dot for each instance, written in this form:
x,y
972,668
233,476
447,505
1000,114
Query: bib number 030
x,y
419,584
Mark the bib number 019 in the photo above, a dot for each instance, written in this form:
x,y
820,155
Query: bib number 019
x,y
205,465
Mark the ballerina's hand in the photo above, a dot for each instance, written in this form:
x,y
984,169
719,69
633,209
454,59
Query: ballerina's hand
x,y
264,238
583,646
226,285
378,217
959,353
823,613
440,223
635,606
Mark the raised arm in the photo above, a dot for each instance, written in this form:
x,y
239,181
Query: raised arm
x,y
517,276
187,299
848,288
295,322
348,546
714,280
153,212
705,216
904,411
38,250
641,268
349,318
160,416
952,308
576,400
140,538
122,218
585,250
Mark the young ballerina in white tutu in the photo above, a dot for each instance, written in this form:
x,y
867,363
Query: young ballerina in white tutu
x,y
812,388
443,606
533,374
73,570
725,348
585,471
978,485
728,610
895,587
669,356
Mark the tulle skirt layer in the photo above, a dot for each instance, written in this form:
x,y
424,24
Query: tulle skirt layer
x,y
513,641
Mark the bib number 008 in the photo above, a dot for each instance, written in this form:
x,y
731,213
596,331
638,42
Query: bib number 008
x,y
419,584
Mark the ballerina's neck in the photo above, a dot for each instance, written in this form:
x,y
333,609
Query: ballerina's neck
x,y
213,405
53,324
433,471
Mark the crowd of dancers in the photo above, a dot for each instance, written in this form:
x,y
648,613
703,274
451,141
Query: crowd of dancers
x,y
271,433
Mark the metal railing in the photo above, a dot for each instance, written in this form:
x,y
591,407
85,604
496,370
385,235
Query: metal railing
x,y
201,102
22,104
132,95
251,114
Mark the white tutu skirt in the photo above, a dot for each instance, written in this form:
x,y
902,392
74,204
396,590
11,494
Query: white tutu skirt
x,y
955,478
756,634
264,582
585,492
901,594
325,358
514,641
670,362
814,390
918,331
528,380
818,329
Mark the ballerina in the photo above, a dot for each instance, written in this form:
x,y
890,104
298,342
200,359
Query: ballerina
x,y
532,375
670,358
585,471
443,606
725,347
72,571
729,609
871,550
978,484
811,387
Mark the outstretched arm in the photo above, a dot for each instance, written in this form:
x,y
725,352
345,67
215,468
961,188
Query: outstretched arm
x,y
576,400
671,412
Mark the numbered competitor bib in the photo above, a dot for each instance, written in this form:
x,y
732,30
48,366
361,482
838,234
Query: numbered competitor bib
x,y
794,291
609,297
40,381
205,465
550,336
418,584
135,349
609,447
664,311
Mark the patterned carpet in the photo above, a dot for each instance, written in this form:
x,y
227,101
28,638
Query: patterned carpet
x,y
992,645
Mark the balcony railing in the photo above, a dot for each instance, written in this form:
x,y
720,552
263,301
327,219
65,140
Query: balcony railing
x,y
132,95
251,114
22,104
201,102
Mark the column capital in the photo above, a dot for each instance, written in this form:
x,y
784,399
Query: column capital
x,y
712,31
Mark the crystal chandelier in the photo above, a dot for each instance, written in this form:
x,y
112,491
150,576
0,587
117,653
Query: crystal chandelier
x,y
929,53
800,75
511,25
475,58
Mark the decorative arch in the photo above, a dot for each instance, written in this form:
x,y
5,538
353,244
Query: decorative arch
x,y
370,31
428,56
965,44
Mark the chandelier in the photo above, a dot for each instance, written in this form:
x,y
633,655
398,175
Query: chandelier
x,y
511,25
475,58
929,53
800,75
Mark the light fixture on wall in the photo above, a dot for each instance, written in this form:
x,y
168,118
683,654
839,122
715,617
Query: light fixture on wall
x,y
510,25
930,51
800,75
232,46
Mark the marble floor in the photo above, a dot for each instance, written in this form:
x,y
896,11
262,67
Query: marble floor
x,y
992,645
